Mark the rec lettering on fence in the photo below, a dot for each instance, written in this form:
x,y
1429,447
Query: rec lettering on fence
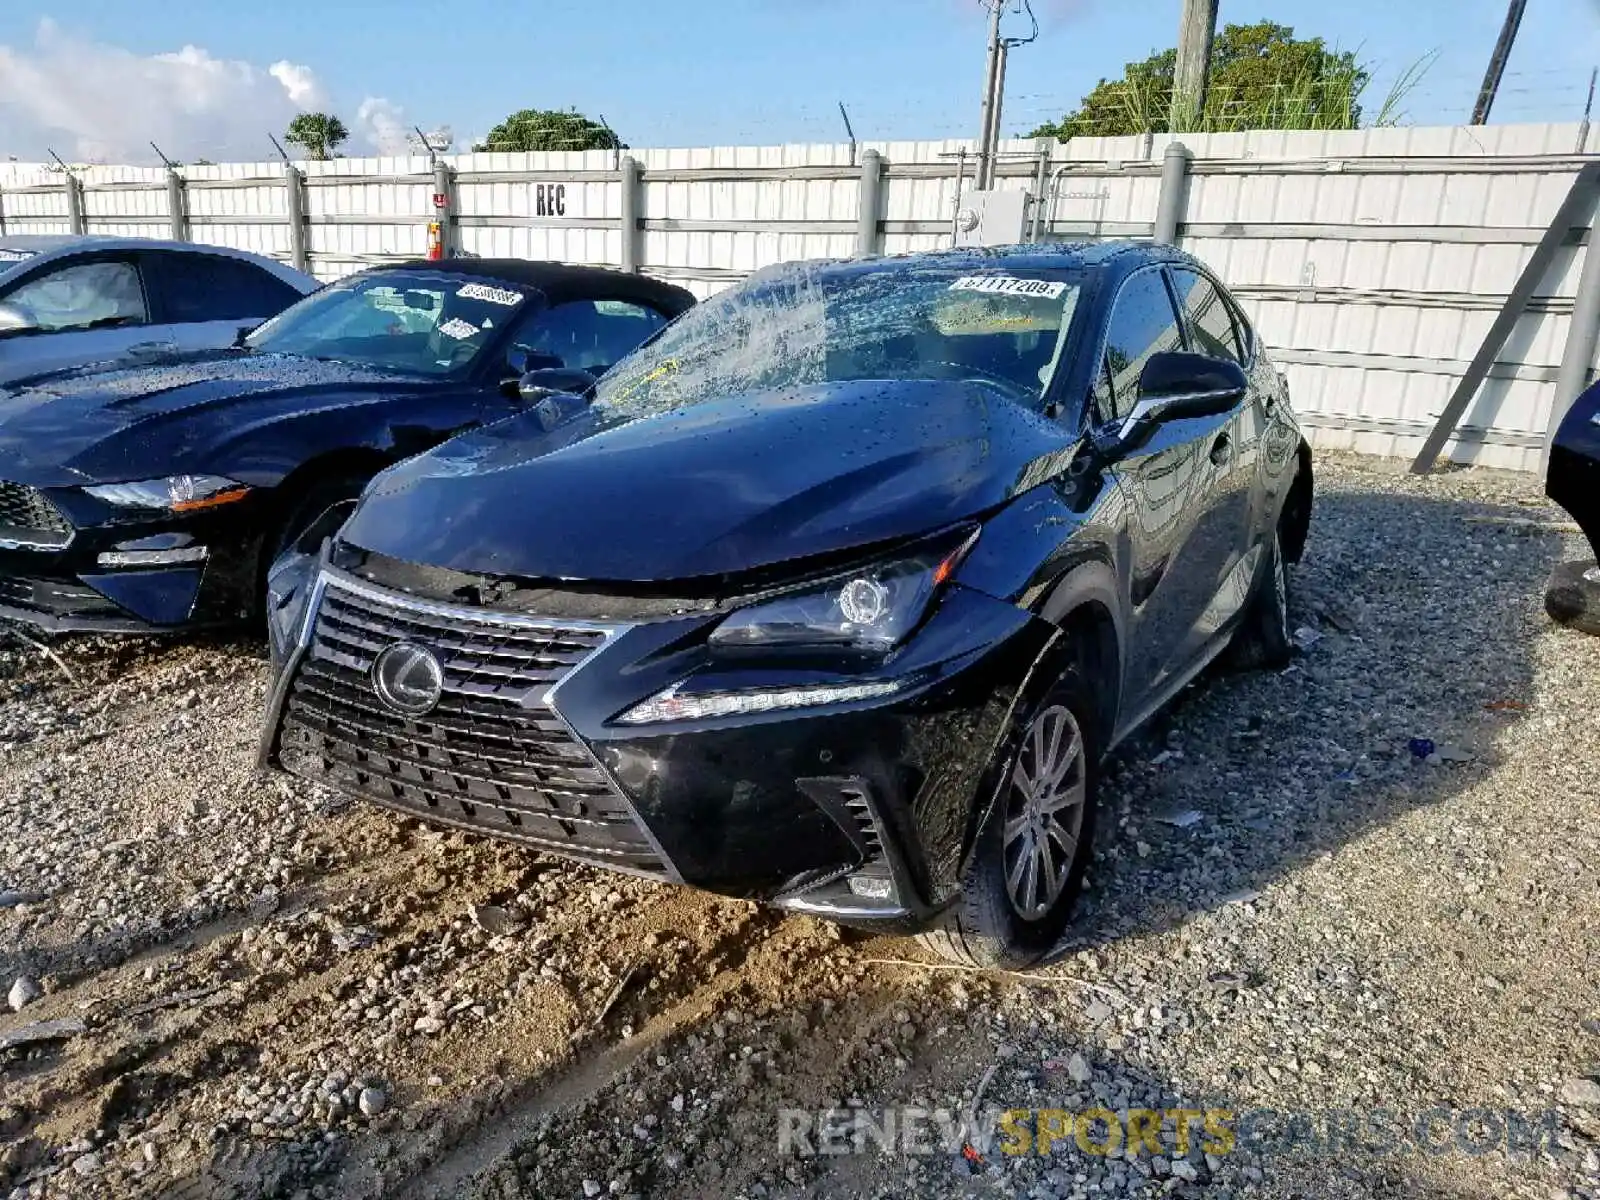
x,y
550,200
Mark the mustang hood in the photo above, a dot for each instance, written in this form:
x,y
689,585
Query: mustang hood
x,y
711,489
150,419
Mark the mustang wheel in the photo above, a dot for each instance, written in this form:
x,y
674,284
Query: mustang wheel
x,y
1572,597
1027,868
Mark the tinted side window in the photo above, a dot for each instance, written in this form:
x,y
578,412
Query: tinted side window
x,y
1210,320
1142,323
198,287
592,334
81,296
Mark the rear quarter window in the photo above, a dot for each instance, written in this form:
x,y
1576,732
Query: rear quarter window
x,y
203,287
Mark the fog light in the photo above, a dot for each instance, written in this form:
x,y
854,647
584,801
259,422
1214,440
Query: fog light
x,y
872,887
152,558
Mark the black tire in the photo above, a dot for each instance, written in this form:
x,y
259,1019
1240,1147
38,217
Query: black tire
x,y
318,498
1262,641
986,927
1572,598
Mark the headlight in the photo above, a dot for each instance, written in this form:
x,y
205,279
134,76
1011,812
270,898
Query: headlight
x,y
292,576
868,612
176,493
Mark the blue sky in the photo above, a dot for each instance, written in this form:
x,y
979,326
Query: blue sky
x,y
708,72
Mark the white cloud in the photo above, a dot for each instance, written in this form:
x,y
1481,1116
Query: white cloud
x,y
383,124
94,102
301,83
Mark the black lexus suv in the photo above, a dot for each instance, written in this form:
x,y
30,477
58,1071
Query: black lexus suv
x,y
833,596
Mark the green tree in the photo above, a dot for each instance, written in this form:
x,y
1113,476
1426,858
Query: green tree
x,y
548,129
319,134
1262,77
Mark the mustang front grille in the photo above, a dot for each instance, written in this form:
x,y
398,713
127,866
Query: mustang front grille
x,y
27,517
492,755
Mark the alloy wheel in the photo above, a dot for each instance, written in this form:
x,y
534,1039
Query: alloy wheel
x,y
1044,812
1280,584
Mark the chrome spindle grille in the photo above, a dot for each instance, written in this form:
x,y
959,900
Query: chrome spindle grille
x,y
492,755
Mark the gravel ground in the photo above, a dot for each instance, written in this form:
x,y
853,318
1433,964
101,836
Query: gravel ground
x,y
256,989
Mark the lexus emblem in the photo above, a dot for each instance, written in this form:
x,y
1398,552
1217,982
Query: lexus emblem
x,y
408,678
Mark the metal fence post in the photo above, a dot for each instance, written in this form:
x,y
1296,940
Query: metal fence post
x,y
1174,193
177,206
869,206
632,182
75,217
1582,336
444,210
294,188
1041,184
2,212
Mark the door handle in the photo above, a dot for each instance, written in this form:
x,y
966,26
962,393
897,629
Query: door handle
x,y
152,347
1220,450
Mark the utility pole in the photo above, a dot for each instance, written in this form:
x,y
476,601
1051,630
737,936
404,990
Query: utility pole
x,y
991,98
1497,62
996,105
1197,28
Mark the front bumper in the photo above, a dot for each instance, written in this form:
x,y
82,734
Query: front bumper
x,y
863,812
67,588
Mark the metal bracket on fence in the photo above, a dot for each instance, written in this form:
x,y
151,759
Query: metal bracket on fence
x,y
631,175
1575,210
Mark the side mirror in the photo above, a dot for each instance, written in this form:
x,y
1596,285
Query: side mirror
x,y
535,385
521,360
14,320
1176,386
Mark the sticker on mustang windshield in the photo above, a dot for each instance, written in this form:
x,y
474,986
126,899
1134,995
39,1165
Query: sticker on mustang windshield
x,y
1009,285
457,328
494,295
15,255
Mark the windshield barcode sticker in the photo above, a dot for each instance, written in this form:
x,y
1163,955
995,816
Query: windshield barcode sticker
x,y
494,295
1009,285
15,255
457,328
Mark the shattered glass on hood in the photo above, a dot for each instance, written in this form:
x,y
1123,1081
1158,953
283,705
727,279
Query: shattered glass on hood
x,y
809,323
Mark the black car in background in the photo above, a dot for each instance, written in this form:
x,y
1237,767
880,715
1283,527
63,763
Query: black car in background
x,y
153,496
834,596
1573,481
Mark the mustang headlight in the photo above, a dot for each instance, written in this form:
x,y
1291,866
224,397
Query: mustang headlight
x,y
176,493
869,611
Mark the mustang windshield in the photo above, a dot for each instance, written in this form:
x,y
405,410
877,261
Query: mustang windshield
x,y
804,325
426,322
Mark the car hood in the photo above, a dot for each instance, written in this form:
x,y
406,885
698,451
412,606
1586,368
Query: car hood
x,y
709,490
156,418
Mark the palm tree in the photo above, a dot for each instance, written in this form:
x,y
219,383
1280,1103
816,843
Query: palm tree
x,y
320,134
